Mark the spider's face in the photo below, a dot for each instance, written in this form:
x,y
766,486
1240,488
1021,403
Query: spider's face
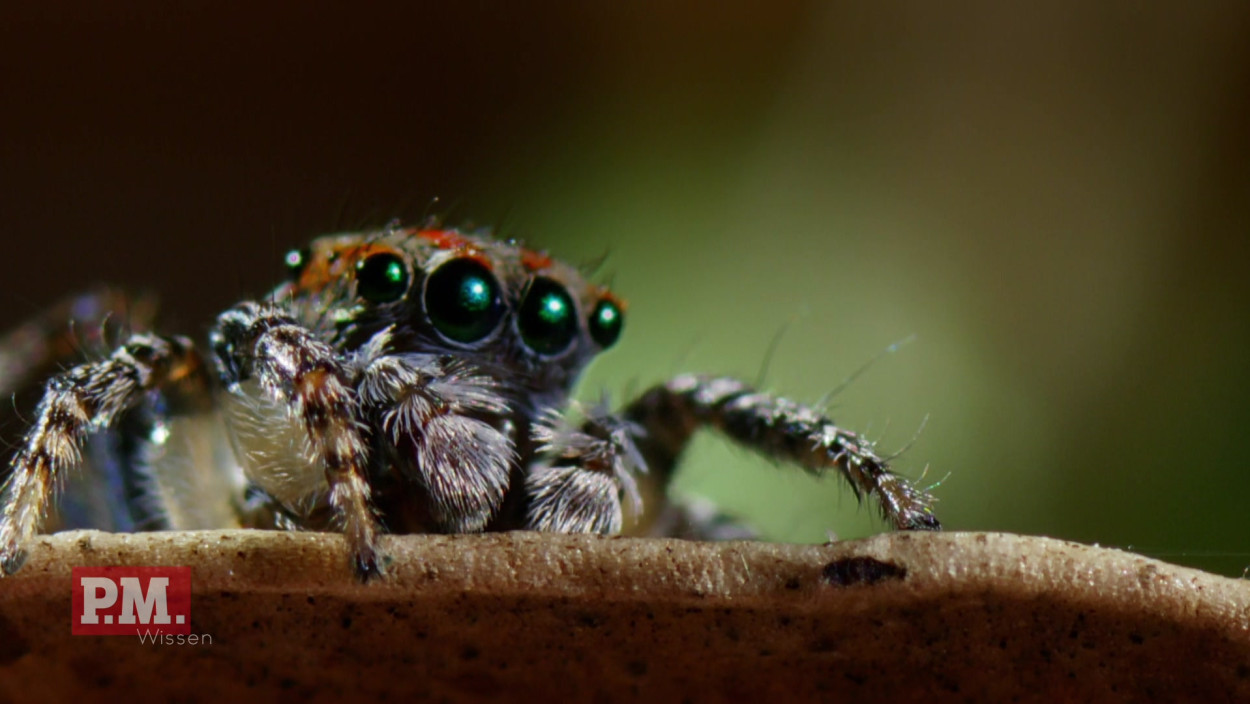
x,y
530,322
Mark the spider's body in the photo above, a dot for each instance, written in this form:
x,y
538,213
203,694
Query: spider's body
x,y
405,380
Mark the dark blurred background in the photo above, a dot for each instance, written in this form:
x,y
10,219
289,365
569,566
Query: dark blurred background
x,y
1055,202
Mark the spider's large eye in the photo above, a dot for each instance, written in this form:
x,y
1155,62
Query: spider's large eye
x,y
463,301
381,278
547,319
606,322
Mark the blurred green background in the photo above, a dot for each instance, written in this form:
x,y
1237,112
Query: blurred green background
x,y
1055,202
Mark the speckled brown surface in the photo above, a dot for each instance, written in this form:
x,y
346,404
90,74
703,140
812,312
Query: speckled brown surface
x,y
899,617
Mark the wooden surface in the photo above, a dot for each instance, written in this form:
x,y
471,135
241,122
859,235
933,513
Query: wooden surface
x,y
521,616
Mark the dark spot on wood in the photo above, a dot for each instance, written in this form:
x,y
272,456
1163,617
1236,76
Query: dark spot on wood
x,y
470,653
12,645
861,570
792,583
1136,638
637,668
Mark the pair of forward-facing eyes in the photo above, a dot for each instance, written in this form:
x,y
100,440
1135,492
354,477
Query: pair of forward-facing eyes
x,y
465,303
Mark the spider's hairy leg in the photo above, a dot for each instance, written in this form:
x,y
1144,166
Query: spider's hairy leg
x,y
782,429
433,411
586,472
309,379
75,329
58,334
86,398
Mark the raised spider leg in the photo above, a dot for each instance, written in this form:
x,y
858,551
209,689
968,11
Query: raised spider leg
x,y
86,325
57,335
87,398
779,428
306,376
587,472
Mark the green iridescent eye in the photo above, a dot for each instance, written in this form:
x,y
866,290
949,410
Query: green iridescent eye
x,y
606,322
381,278
296,261
463,300
547,318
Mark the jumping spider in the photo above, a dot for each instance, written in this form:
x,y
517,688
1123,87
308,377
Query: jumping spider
x,y
410,380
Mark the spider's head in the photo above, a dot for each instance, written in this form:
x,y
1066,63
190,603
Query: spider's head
x,y
529,321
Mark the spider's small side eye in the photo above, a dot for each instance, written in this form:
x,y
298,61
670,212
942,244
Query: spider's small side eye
x,y
606,322
463,300
547,318
296,261
381,278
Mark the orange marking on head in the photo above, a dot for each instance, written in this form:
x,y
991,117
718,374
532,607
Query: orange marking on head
x,y
315,276
444,239
534,261
323,270
604,294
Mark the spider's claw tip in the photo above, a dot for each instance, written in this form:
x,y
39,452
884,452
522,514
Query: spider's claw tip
x,y
924,521
12,561
367,566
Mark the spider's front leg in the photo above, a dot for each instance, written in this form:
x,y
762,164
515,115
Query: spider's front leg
x,y
86,398
307,377
58,335
779,428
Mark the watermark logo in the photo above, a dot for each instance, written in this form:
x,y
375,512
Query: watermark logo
x,y
129,601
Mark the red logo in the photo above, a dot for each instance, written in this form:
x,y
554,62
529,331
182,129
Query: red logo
x,y
131,601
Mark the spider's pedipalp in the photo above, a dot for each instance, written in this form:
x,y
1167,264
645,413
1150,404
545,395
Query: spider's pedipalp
x,y
591,470
86,398
778,428
434,413
572,500
314,383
